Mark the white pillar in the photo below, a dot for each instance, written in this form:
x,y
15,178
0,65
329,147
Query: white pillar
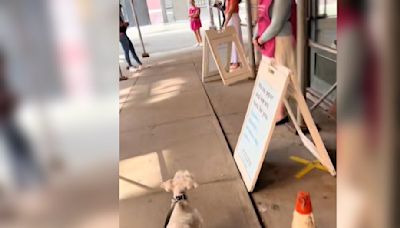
x,y
210,10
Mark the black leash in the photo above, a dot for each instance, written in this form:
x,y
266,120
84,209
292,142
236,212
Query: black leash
x,y
175,200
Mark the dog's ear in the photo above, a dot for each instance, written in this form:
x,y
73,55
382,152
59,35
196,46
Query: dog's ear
x,y
187,174
189,184
167,185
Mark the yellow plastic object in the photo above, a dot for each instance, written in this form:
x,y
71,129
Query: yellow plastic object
x,y
309,166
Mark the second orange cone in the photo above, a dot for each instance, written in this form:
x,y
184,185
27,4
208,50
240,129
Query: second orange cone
x,y
302,215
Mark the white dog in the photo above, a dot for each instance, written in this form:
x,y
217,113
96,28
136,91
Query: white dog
x,y
181,215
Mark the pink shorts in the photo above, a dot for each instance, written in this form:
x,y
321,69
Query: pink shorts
x,y
195,24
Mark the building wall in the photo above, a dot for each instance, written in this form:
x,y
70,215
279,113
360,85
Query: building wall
x,y
142,11
155,11
181,9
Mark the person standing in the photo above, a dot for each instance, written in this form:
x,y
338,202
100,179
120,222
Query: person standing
x,y
233,19
26,168
127,45
274,36
195,22
221,7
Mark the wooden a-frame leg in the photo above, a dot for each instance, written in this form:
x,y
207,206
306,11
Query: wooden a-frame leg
x,y
206,59
319,145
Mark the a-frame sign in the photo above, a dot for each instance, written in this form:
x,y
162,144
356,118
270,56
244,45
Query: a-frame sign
x,y
212,41
273,85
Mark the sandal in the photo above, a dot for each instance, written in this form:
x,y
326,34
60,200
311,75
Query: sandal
x,y
282,121
234,66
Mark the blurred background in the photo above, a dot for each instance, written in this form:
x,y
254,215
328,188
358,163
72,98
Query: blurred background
x,y
59,113
366,118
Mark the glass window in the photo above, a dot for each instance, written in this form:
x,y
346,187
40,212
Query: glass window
x,y
327,8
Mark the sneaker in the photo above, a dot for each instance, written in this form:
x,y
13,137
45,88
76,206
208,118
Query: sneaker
x,y
140,67
132,69
123,78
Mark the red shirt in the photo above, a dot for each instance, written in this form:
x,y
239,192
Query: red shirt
x,y
234,4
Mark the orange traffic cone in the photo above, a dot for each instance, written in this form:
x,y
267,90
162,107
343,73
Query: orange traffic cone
x,y
302,215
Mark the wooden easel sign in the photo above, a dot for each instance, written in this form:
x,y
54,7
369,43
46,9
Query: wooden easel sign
x,y
212,42
269,90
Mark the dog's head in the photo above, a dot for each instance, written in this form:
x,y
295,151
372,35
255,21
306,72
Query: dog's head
x,y
182,181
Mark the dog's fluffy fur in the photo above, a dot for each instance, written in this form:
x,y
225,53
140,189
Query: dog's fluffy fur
x,y
183,215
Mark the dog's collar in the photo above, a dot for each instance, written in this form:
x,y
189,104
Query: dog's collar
x,y
175,200
180,197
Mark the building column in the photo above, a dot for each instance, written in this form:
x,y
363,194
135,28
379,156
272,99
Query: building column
x,y
163,11
142,10
302,46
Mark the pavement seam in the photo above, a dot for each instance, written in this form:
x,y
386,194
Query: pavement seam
x,y
156,190
258,215
164,123
129,93
173,91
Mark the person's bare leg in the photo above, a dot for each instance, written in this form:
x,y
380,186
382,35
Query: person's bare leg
x,y
195,35
281,112
285,54
199,36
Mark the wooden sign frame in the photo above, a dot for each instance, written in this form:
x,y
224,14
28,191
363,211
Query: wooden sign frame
x,y
212,40
279,77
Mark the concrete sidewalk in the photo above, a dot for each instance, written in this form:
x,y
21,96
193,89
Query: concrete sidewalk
x,y
167,124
